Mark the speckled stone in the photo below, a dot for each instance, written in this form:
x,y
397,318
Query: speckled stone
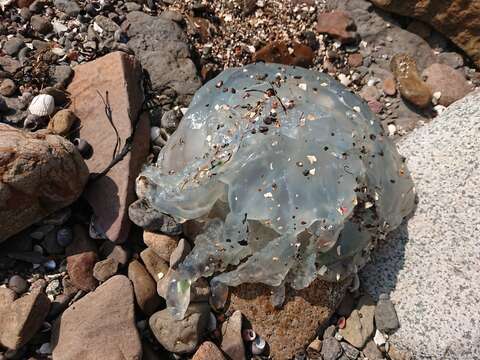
x,y
430,267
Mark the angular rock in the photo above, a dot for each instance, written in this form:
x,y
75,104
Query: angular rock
x,y
163,245
7,87
389,86
101,325
69,7
13,45
232,342
145,216
81,260
279,52
456,19
359,326
161,46
435,290
339,25
115,252
9,65
291,328
331,349
449,82
105,269
410,83
350,351
371,351
180,252
181,336
41,24
22,319
41,173
61,74
208,351
156,266
386,318
144,287
110,195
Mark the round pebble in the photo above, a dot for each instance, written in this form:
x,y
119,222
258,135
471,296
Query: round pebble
x,y
64,237
18,284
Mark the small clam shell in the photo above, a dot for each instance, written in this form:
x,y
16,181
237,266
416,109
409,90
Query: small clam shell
x,y
42,105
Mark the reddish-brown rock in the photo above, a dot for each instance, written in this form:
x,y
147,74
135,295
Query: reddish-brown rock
x,y
81,259
459,20
291,328
208,351
117,78
283,53
163,245
144,287
337,24
100,325
355,60
389,86
39,174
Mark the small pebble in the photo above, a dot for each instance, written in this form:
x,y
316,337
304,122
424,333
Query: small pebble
x,y
18,284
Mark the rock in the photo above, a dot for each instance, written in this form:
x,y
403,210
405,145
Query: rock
x,y
290,329
101,325
7,87
181,336
339,25
455,19
410,84
41,174
355,60
369,93
62,75
145,216
69,7
452,59
371,351
163,245
449,82
62,122
9,65
396,354
359,326
161,46
435,291
389,86
208,351
22,318
282,53
111,194
13,45
420,28
375,106
156,266
350,351
144,287
106,24
81,259
41,24
50,244
60,97
232,342
18,284
331,349
385,315
115,252
105,269
180,252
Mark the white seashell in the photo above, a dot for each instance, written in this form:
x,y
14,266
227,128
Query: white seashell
x,y
42,105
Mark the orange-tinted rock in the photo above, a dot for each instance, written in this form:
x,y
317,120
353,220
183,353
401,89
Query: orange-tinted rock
x,y
290,329
355,60
389,86
283,53
410,84
110,195
40,173
339,25
144,287
208,351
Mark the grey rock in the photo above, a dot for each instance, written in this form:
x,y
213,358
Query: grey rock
x,y
69,7
386,318
330,331
62,74
18,284
58,95
161,46
430,266
133,6
171,119
13,45
143,215
371,351
36,6
452,59
181,336
41,24
106,24
51,245
331,349
350,351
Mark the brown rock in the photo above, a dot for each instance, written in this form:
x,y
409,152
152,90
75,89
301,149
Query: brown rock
x,y
144,287
163,245
339,25
7,87
81,259
291,328
22,318
62,122
456,19
115,252
283,53
389,86
105,269
232,342
208,351
449,82
420,28
181,251
120,75
101,325
10,65
40,173
359,326
410,84
371,351
156,266
355,60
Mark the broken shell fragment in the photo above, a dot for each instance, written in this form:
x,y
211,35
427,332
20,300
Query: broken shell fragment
x,y
42,105
248,335
258,346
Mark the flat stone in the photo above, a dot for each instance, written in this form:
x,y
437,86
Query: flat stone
x,y
9,64
371,351
105,269
41,24
81,260
156,266
100,325
181,336
386,318
13,45
69,7
110,195
22,319
208,351
144,287
163,245
339,25
331,349
283,53
430,265
41,173
291,328
161,46
232,342
359,326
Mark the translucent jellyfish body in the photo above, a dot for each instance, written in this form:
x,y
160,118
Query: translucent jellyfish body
x,y
290,175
